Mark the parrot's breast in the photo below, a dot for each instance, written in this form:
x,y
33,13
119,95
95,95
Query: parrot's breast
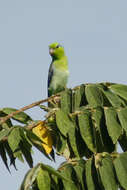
x,y
59,80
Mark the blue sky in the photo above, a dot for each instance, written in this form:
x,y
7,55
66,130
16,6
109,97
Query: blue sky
x,y
94,34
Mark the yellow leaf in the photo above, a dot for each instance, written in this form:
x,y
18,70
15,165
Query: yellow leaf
x,y
44,134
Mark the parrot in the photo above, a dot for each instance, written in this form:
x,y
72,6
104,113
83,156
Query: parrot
x,y
58,70
57,82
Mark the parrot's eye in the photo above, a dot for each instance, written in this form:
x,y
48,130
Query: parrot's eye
x,y
58,46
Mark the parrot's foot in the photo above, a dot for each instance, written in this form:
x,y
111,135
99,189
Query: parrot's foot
x,y
54,103
56,100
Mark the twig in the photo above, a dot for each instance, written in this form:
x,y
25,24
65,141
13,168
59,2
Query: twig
x,y
4,119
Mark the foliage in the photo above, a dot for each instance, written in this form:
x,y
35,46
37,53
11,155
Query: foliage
x,y
42,131
85,125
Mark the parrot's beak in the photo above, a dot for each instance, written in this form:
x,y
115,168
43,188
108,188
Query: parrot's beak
x,y
51,51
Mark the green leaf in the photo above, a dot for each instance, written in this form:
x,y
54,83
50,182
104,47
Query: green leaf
x,y
73,141
6,124
43,180
63,122
97,115
107,175
10,154
89,175
120,165
69,173
123,141
93,95
80,169
107,141
26,150
14,139
113,98
113,126
30,178
83,101
54,172
122,114
120,90
86,130
82,148
55,183
4,133
18,154
20,117
66,102
3,155
61,144
79,98
76,98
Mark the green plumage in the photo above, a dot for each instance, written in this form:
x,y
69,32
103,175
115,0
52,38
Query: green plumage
x,y
58,71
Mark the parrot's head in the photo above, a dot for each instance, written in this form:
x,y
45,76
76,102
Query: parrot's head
x,y
56,50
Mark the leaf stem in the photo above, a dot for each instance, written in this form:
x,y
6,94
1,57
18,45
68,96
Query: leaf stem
x,y
4,119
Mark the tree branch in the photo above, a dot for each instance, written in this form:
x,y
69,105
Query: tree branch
x,y
4,119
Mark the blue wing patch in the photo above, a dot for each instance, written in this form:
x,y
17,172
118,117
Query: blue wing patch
x,y
50,75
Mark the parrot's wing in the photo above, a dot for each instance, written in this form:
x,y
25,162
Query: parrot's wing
x,y
50,75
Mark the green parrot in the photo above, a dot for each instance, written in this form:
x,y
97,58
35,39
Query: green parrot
x,y
58,70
